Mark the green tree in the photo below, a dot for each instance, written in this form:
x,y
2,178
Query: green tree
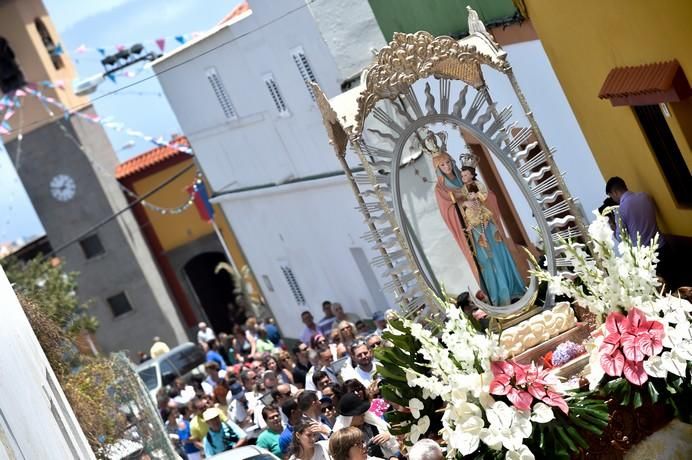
x,y
46,283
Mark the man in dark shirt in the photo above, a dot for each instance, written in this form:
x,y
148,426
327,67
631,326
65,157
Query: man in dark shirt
x,y
300,351
637,212
637,215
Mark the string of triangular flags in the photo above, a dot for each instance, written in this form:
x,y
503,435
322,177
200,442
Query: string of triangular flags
x,y
10,102
160,42
60,84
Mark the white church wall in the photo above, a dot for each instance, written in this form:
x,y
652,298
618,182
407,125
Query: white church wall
x,y
313,228
36,420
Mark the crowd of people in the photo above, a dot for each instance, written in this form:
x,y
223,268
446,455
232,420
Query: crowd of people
x,y
319,399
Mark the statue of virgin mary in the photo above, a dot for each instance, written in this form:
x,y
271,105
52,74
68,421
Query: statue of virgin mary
x,y
470,212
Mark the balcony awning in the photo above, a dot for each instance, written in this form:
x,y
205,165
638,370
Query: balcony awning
x,y
646,84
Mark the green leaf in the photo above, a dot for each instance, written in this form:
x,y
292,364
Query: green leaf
x,y
389,395
574,434
584,425
562,435
637,400
395,417
392,373
596,421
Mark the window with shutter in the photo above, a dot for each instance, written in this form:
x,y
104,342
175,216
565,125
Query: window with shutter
x,y
275,94
221,94
293,284
304,68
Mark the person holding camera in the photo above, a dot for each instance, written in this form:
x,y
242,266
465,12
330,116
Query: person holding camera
x,y
354,412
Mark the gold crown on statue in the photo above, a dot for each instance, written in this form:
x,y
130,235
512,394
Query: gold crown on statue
x,y
430,143
468,159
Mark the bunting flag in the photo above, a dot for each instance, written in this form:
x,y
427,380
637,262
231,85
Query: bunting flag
x,y
161,43
106,122
111,77
60,84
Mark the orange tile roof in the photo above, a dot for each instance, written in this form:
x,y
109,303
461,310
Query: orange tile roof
x,y
237,11
639,80
151,158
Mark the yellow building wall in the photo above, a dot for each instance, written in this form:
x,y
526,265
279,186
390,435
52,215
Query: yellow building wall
x,y
17,26
175,230
584,40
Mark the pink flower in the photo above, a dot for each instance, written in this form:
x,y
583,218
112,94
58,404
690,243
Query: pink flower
x,y
628,342
523,383
378,407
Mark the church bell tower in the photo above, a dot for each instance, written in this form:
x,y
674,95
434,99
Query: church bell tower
x,y
67,167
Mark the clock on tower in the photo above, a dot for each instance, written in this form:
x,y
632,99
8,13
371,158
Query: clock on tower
x,y
62,187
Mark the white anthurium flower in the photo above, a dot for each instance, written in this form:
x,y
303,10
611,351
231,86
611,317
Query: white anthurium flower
x,y
411,376
508,427
673,363
461,410
416,405
542,413
654,367
595,370
679,339
485,399
523,453
419,429
466,437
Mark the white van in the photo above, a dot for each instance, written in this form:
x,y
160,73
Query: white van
x,y
182,360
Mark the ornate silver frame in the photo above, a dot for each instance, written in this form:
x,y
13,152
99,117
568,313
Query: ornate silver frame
x,y
413,57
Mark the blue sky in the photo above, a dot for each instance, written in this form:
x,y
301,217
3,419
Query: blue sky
x,y
106,23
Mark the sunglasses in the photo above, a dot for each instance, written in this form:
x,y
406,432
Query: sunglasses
x,y
375,344
327,409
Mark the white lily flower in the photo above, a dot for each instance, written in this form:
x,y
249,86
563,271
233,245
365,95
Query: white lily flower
x,y
542,413
416,405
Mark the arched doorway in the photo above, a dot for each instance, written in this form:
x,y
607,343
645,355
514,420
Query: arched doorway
x,y
214,291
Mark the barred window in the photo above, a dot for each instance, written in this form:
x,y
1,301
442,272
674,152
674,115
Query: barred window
x,y
275,94
304,68
221,94
293,284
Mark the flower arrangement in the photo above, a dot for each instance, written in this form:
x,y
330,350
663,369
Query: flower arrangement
x,y
450,380
642,351
443,378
